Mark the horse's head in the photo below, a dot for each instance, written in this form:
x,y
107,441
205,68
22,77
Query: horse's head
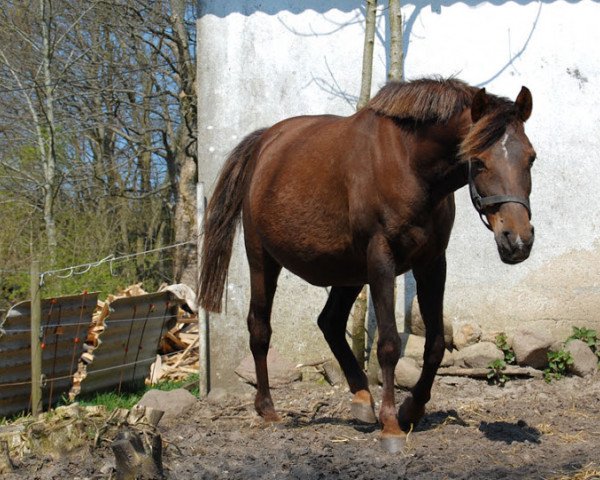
x,y
500,157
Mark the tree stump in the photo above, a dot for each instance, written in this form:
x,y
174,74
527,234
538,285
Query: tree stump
x,y
134,460
6,465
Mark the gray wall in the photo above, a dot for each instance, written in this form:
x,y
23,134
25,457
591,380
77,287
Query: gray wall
x,y
262,61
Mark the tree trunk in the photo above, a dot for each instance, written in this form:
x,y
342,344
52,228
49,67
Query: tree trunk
x,y
396,44
50,157
186,268
360,306
367,64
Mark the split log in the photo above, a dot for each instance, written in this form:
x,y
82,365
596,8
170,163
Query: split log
x,y
140,414
6,465
510,370
134,461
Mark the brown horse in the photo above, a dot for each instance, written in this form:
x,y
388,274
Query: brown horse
x,y
348,201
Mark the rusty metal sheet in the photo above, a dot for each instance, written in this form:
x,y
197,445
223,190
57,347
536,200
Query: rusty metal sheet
x,y
65,321
129,342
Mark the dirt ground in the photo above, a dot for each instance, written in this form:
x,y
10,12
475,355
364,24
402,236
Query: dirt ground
x,y
528,429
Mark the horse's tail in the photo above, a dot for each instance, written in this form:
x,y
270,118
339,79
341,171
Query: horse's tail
x,y
221,221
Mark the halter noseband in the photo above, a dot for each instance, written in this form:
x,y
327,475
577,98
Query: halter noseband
x,y
481,203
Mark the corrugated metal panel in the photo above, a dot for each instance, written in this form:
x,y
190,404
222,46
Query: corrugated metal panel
x,y
129,343
65,322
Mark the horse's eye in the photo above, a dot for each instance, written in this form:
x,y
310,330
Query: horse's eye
x,y
531,161
477,165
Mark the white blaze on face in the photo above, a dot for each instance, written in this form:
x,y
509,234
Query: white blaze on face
x,y
519,242
503,143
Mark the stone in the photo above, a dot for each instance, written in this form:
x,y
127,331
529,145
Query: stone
x,y
175,403
585,362
416,326
465,333
448,359
531,347
478,355
413,346
281,371
407,372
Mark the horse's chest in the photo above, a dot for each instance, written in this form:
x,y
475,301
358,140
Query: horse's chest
x,y
426,238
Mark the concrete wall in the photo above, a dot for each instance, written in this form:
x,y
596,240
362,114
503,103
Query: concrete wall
x,y
262,61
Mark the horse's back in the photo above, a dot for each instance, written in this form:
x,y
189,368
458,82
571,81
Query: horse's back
x,y
298,200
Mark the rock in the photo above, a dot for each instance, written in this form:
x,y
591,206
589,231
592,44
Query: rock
x,y
413,346
479,355
465,333
407,372
281,371
217,396
531,347
174,403
448,359
416,326
585,362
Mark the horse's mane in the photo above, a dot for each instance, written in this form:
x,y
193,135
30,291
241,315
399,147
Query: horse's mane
x,y
437,100
423,100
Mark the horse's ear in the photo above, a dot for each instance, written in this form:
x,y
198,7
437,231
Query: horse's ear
x,y
479,105
524,103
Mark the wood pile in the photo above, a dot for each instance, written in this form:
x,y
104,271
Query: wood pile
x,y
178,353
178,356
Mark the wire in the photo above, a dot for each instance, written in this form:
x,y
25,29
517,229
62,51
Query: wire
x,y
86,267
6,331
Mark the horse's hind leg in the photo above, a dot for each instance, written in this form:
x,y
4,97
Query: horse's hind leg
x,y
430,292
332,322
264,272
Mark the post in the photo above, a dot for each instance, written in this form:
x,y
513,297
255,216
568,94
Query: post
x,y
203,318
36,348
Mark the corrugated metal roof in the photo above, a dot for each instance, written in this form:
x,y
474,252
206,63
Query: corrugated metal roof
x,y
129,343
65,322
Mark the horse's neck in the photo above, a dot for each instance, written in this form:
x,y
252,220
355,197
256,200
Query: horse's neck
x,y
440,166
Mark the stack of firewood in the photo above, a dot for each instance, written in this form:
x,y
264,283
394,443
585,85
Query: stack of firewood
x,y
177,357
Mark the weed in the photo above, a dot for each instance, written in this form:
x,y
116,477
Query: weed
x,y
558,364
495,375
502,344
587,336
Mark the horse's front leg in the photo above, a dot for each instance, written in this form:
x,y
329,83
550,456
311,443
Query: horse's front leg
x,y
431,279
382,273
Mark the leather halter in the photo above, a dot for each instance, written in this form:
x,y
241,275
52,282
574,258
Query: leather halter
x,y
481,203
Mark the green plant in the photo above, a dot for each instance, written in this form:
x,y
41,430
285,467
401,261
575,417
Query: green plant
x,y
558,365
502,344
495,375
587,336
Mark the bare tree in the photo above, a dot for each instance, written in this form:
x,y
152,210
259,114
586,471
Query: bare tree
x,y
396,43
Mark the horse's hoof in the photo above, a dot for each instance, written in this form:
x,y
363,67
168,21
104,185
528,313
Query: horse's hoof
x,y
363,412
271,418
409,414
392,443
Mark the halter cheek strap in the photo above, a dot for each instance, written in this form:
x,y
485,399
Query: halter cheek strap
x,y
481,203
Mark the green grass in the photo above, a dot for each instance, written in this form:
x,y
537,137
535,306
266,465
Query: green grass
x,y
126,399
114,400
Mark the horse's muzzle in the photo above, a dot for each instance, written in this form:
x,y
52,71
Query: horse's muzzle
x,y
514,247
